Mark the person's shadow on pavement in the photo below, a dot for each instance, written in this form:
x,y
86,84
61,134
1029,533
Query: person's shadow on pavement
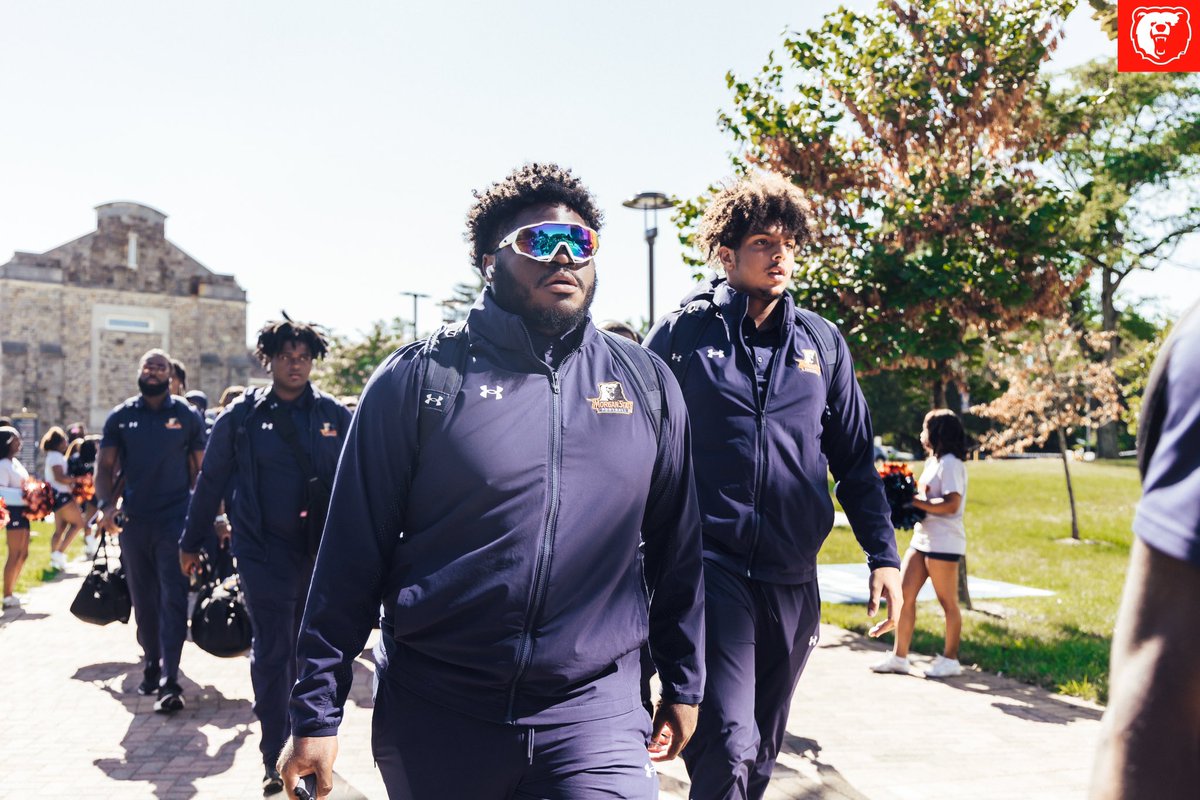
x,y
169,751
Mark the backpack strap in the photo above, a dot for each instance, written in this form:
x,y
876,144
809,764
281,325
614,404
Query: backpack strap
x,y
686,333
637,361
445,356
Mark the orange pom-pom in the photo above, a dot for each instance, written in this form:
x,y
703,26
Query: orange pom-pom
x,y
39,499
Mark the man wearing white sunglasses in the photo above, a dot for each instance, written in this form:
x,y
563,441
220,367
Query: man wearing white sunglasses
x,y
519,493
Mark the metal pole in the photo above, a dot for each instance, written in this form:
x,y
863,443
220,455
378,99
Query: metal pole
x,y
414,296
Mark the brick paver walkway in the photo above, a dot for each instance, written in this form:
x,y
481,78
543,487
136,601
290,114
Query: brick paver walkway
x,y
75,729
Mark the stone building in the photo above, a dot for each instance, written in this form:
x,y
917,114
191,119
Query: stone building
x,y
75,319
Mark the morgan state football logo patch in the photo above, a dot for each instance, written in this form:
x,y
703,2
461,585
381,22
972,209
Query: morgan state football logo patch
x,y
808,362
611,400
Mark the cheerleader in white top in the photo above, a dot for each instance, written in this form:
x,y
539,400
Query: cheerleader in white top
x,y
12,477
939,542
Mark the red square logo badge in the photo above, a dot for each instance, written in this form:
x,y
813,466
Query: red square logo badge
x,y
1154,37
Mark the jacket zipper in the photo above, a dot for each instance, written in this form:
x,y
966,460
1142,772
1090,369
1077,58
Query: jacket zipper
x,y
541,575
760,441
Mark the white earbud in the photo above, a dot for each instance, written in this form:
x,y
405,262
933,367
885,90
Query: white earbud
x,y
489,272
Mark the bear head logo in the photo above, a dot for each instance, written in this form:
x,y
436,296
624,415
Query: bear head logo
x,y
1161,35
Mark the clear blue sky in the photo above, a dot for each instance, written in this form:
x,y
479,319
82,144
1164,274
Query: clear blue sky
x,y
325,153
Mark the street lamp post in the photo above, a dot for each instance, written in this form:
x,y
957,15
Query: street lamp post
x,y
650,203
415,296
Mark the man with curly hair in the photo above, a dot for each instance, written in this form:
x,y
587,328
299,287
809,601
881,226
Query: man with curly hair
x,y
525,545
272,454
774,406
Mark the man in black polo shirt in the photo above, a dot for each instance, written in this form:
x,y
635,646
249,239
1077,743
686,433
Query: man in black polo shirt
x,y
149,457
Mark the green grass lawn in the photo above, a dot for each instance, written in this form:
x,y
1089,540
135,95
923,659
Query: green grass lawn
x,y
38,562
1016,516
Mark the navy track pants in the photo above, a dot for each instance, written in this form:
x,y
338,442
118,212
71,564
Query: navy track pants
x,y
275,591
150,556
758,639
419,748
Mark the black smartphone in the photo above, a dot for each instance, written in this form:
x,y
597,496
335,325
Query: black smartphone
x,y
307,788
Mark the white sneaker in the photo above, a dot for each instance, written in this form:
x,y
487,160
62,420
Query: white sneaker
x,y
944,668
12,601
893,663
58,560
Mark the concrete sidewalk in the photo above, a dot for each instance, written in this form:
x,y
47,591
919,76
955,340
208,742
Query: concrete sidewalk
x,y
74,728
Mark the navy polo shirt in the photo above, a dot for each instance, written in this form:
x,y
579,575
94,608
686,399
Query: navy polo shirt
x,y
279,479
154,449
1168,516
761,344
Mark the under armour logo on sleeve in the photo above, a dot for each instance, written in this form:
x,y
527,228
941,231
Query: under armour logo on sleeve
x,y
676,357
497,393
433,400
715,353
268,426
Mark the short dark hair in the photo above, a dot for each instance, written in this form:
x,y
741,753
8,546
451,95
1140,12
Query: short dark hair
x,y
621,328
755,203
180,371
530,185
53,439
946,434
8,435
275,334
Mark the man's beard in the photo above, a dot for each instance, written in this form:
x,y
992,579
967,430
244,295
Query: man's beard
x,y
553,321
152,389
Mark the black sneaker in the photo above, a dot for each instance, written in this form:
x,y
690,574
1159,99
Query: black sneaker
x,y
272,782
149,684
170,699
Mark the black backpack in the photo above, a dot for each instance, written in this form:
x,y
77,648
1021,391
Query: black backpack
x,y
445,354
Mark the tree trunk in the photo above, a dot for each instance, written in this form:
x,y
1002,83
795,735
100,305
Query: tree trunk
x,y
937,395
1106,435
1062,449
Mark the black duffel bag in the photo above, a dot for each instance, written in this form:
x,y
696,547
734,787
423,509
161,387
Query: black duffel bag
x,y
220,620
104,595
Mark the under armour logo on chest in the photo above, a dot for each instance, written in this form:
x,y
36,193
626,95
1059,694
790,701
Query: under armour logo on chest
x,y
268,426
715,353
497,393
132,424
676,357
433,400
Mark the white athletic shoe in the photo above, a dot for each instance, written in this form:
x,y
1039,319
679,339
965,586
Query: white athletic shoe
x,y
944,668
12,601
58,560
892,663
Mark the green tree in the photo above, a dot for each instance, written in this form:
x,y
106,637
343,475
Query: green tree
x,y
1130,153
1051,389
915,130
351,360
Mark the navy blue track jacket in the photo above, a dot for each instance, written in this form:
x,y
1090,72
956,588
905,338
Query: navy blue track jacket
x,y
509,552
230,458
762,473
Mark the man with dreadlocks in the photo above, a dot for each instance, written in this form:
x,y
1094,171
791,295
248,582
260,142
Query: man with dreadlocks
x,y
273,452
527,530
775,407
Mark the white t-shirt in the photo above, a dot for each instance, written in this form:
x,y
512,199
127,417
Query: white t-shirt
x,y
56,459
942,533
12,475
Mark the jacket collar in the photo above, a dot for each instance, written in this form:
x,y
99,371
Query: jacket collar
x,y
307,399
491,325
169,403
731,304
